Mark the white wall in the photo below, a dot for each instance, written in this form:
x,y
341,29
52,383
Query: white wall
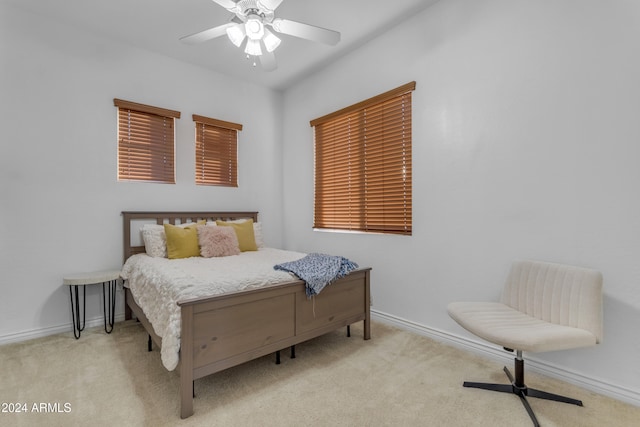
x,y
60,202
525,145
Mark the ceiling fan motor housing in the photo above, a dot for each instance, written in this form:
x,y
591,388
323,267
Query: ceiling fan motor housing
x,y
246,9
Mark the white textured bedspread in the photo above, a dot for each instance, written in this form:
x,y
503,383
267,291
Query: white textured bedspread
x,y
157,284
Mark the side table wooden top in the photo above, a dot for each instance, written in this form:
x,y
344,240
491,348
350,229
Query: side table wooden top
x,y
91,277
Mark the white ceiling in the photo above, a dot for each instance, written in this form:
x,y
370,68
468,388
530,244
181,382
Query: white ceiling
x,y
157,25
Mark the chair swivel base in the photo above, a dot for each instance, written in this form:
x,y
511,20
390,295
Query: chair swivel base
x,y
518,388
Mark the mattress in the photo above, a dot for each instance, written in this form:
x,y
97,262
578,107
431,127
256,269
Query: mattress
x,y
158,284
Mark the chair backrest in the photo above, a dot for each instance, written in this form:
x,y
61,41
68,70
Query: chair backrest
x,y
556,293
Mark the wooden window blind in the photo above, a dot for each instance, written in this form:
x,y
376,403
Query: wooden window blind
x,y
363,165
146,142
216,152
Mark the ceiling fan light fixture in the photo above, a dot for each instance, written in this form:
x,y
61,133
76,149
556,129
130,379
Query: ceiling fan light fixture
x,y
253,48
236,34
254,27
247,30
271,41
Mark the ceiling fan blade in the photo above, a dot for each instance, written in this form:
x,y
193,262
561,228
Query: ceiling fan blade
x,y
268,61
227,4
269,4
207,35
306,31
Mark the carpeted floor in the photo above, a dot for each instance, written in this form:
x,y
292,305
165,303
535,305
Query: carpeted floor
x,y
395,379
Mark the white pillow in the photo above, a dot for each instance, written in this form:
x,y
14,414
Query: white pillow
x,y
257,231
155,241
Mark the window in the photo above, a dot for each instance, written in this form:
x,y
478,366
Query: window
x,y
216,152
363,165
146,145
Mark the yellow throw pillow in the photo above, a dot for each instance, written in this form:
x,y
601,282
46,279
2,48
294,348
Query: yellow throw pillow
x,y
182,242
244,232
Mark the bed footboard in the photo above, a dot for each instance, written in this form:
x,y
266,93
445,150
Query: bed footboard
x,y
225,331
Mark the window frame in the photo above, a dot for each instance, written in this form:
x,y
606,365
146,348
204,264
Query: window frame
x,y
147,152
363,167
219,137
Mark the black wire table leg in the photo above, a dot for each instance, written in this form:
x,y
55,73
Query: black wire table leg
x,y
109,316
109,280
76,315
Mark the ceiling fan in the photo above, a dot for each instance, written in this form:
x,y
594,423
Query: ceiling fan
x,y
250,21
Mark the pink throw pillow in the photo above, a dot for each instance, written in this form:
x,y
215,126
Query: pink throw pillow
x,y
217,241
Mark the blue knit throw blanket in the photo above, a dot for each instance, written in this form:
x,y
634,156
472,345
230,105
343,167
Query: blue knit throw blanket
x,y
318,270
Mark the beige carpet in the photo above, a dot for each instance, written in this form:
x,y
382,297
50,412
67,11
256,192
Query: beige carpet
x,y
395,379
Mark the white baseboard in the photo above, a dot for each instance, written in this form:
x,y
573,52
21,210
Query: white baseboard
x,y
52,330
542,367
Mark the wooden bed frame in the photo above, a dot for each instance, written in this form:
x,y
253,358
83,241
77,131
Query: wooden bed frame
x,y
226,330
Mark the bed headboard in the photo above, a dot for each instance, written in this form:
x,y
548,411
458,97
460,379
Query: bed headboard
x,y
171,218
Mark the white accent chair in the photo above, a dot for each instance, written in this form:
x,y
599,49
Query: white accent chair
x,y
544,307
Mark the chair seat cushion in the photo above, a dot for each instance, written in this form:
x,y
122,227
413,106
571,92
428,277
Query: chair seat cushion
x,y
500,324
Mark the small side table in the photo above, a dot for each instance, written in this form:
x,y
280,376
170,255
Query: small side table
x,y
108,278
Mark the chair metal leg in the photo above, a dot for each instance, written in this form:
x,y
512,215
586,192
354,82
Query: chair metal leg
x,y
503,388
526,405
532,392
519,388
